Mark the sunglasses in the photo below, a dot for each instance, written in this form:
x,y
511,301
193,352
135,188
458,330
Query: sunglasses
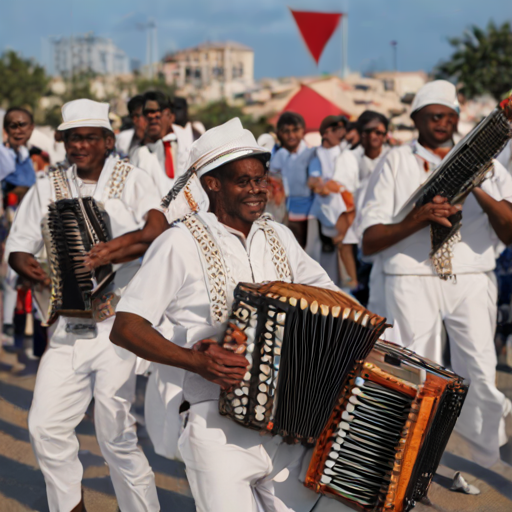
x,y
438,117
14,126
380,133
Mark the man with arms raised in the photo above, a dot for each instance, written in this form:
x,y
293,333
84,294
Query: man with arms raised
x,y
185,288
80,363
417,301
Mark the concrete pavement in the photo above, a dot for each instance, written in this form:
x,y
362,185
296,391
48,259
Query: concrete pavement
x,y
22,486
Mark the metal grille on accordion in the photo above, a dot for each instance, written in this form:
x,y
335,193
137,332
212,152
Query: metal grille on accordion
x,y
301,343
75,225
385,438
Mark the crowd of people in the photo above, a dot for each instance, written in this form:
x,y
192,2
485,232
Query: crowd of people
x,y
188,217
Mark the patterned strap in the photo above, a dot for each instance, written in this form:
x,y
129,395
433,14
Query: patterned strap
x,y
59,181
279,257
115,185
215,268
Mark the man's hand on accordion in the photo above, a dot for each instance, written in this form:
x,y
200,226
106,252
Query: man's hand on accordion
x,y
379,237
28,267
218,365
99,255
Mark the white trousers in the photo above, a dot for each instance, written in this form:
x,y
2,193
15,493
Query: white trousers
x,y
73,372
231,468
467,307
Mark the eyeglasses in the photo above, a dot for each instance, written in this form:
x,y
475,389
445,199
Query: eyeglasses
x,y
290,131
15,126
253,183
75,138
380,133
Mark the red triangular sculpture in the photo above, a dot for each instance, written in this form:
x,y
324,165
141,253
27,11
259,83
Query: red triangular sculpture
x,y
316,29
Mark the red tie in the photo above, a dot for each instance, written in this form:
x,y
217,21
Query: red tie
x,y
169,164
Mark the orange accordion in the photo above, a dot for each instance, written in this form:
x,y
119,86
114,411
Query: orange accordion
x,y
378,415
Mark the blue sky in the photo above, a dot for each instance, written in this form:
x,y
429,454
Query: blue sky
x,y
421,28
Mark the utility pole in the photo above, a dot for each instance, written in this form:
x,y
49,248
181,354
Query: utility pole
x,y
344,45
394,45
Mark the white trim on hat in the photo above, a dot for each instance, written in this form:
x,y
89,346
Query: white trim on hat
x,y
235,154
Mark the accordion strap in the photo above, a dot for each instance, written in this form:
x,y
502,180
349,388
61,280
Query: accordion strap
x,y
117,180
215,267
59,181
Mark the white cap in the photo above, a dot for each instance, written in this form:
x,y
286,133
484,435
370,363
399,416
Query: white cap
x,y
438,92
223,144
84,114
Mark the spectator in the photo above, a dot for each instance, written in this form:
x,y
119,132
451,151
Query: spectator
x,y
129,140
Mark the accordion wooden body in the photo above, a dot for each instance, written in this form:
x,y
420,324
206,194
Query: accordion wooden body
x,y
385,438
378,415
301,343
73,227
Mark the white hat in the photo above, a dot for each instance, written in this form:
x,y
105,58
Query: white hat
x,y
223,144
84,114
438,92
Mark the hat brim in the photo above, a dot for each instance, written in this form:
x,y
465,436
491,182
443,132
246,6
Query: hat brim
x,y
239,154
85,123
437,102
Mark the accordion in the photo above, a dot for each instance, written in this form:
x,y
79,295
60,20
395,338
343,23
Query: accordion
x,y
464,168
301,343
385,438
73,227
379,416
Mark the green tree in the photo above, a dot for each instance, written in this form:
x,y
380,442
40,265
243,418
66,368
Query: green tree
x,y
143,85
22,81
481,61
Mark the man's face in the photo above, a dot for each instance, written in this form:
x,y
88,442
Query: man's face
x,y
352,137
373,137
140,123
87,147
290,136
19,129
436,124
333,135
242,192
159,120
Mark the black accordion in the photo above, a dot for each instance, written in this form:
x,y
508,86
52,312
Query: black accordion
x,y
74,226
301,343
378,415
464,168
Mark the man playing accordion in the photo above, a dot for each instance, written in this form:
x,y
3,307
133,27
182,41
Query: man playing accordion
x,y
185,289
418,302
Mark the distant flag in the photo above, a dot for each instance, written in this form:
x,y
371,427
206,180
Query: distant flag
x,y
316,29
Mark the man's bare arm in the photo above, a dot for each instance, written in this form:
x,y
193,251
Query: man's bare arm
x,y
207,358
499,213
381,236
129,246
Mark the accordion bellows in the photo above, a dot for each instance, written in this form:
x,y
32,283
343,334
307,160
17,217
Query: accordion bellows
x,y
290,389
74,225
386,436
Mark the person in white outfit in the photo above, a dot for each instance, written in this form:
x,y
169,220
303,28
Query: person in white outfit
x,y
129,140
80,363
165,151
185,288
417,300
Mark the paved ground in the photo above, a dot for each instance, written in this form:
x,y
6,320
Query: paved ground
x,y
22,486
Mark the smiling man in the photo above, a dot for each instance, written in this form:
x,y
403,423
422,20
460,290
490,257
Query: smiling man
x,y
417,301
80,363
185,288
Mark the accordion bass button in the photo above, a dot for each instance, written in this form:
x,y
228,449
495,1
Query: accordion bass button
x,y
269,326
245,390
263,387
281,318
262,398
265,368
238,392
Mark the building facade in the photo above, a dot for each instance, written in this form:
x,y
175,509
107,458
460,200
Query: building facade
x,y
211,71
88,53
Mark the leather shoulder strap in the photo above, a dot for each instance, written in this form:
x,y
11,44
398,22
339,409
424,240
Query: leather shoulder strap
x,y
117,180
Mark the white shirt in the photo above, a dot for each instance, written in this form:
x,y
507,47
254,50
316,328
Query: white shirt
x,y
401,174
346,170
154,162
171,290
126,213
124,140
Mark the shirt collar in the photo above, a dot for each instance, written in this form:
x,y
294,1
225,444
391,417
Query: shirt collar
x,y
424,153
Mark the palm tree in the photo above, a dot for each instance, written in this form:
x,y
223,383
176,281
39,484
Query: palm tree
x,y
481,62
